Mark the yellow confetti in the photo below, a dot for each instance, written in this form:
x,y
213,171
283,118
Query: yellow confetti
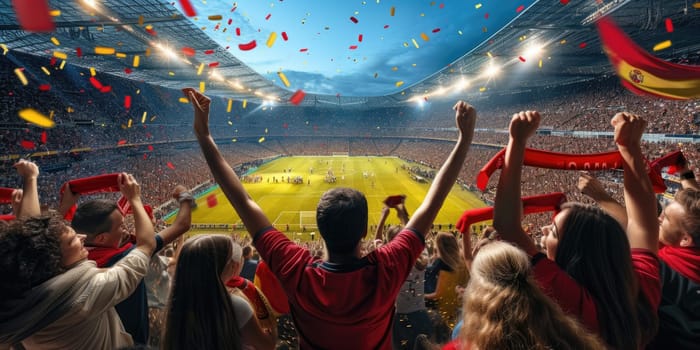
x,y
102,50
55,13
55,41
477,6
394,68
215,17
60,55
128,125
184,100
228,108
271,39
482,89
136,62
392,11
200,68
540,63
153,117
4,49
488,53
424,36
233,140
245,103
46,71
149,27
405,44
399,83
20,75
148,51
143,117
202,87
138,91
562,42
696,5
230,123
70,110
415,43
662,45
172,74
92,72
121,55
261,140
33,116
51,114
141,20
284,79
63,64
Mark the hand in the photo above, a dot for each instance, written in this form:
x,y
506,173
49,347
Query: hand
x,y
178,189
628,128
69,197
201,105
465,116
590,186
385,211
27,169
129,187
524,124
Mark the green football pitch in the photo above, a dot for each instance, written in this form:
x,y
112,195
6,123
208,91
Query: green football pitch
x,y
291,207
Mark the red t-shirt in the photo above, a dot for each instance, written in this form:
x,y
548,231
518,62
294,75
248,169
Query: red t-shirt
x,y
341,306
575,300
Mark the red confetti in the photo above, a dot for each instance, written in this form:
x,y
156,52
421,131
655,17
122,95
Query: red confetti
x,y
96,83
521,58
52,61
303,50
148,134
249,46
436,30
208,52
145,156
151,31
297,98
267,18
284,36
150,147
187,8
582,45
79,52
520,8
127,70
564,2
105,89
27,144
442,6
353,19
170,165
353,47
127,101
213,64
33,15
486,15
188,51
44,87
212,201
386,26
669,25
121,142
238,31
44,137
230,21
359,38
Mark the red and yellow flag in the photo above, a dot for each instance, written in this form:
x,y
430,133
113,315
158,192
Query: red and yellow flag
x,y
643,73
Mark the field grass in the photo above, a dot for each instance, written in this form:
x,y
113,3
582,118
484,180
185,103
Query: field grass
x,y
295,204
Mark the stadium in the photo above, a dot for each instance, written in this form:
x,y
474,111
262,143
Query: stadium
x,y
311,97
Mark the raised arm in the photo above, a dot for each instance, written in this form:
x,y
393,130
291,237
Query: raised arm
x,y
424,216
508,208
591,187
686,174
252,216
183,220
379,233
642,222
29,206
143,228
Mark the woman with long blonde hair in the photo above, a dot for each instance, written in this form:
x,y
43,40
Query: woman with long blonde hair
x,y
505,309
453,273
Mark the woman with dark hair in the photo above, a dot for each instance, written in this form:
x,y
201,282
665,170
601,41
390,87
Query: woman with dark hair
x,y
201,313
505,309
606,276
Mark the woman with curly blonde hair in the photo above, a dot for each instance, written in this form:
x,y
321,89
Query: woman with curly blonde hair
x,y
505,309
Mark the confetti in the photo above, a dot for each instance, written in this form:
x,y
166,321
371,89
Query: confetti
x,y
386,26
669,25
540,64
36,118
582,45
564,2
303,50
4,49
353,47
170,165
245,103
128,124
63,64
399,83
45,70
261,140
228,108
143,117
297,98
488,53
230,21
477,6
486,15
392,11
213,64
55,41
267,18
354,20
238,31
96,83
662,45
200,68
121,55
271,39
424,36
696,5
92,72
359,38
127,101
208,52
212,201
187,8
121,142
33,15
482,89
521,58
188,51
127,70
150,148
101,50
284,36
137,61
436,30
141,20
184,100
44,137
520,8
247,47
283,78
215,17
202,87
27,144
105,89
60,55
44,87
55,13
415,43
20,74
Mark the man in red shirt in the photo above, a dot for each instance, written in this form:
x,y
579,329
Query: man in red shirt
x,y
346,301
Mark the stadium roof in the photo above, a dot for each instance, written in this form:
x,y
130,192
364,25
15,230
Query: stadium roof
x,y
570,53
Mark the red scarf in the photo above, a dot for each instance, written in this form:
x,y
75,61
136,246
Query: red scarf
x,y
533,204
102,255
684,260
6,195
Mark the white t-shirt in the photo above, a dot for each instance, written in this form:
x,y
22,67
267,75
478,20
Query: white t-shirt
x,y
242,309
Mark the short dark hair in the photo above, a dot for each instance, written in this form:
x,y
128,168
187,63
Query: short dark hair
x,y
30,253
341,216
247,250
92,217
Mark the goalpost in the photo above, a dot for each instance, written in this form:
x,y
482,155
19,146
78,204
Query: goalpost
x,y
307,219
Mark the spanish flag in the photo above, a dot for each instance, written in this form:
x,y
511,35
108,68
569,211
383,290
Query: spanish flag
x,y
643,73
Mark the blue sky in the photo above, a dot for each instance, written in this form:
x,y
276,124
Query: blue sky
x,y
325,29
